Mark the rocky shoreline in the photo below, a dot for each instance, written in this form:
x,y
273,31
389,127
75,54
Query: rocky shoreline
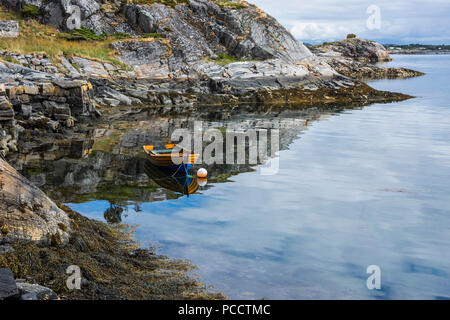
x,y
172,68
11,289
358,59
178,58
41,239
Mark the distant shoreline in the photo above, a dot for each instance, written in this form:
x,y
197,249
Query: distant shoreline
x,y
419,51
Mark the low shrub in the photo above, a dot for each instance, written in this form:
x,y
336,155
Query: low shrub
x,y
30,11
230,4
83,34
224,59
152,35
169,3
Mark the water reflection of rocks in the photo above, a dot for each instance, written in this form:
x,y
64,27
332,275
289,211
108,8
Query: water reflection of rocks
x,y
106,162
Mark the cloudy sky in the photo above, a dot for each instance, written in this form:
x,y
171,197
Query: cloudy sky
x,y
401,21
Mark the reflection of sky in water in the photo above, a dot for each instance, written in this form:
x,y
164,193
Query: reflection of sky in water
x,y
364,187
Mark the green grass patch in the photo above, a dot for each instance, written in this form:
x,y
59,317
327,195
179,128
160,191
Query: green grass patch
x,y
40,38
224,59
230,4
152,35
89,35
83,34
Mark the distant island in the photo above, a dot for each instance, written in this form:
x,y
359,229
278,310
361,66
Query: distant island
x,y
417,48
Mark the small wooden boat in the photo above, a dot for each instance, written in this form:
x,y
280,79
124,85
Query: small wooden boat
x,y
175,160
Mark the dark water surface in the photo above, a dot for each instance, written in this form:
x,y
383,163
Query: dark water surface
x,y
355,188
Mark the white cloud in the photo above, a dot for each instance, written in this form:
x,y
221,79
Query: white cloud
x,y
325,20
323,31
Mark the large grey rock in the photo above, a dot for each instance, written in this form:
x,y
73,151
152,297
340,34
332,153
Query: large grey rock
x,y
203,29
10,72
35,292
249,32
194,34
354,48
142,52
8,287
19,4
9,29
92,15
27,213
88,7
357,58
90,67
6,248
54,14
149,58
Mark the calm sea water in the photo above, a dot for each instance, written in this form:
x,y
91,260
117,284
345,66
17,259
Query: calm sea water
x,y
357,188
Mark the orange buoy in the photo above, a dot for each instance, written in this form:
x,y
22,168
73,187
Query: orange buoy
x,y
202,173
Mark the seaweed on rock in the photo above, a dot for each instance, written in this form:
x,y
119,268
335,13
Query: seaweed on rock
x,y
113,265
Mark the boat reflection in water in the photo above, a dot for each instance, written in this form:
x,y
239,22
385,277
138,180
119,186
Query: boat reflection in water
x,y
178,181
